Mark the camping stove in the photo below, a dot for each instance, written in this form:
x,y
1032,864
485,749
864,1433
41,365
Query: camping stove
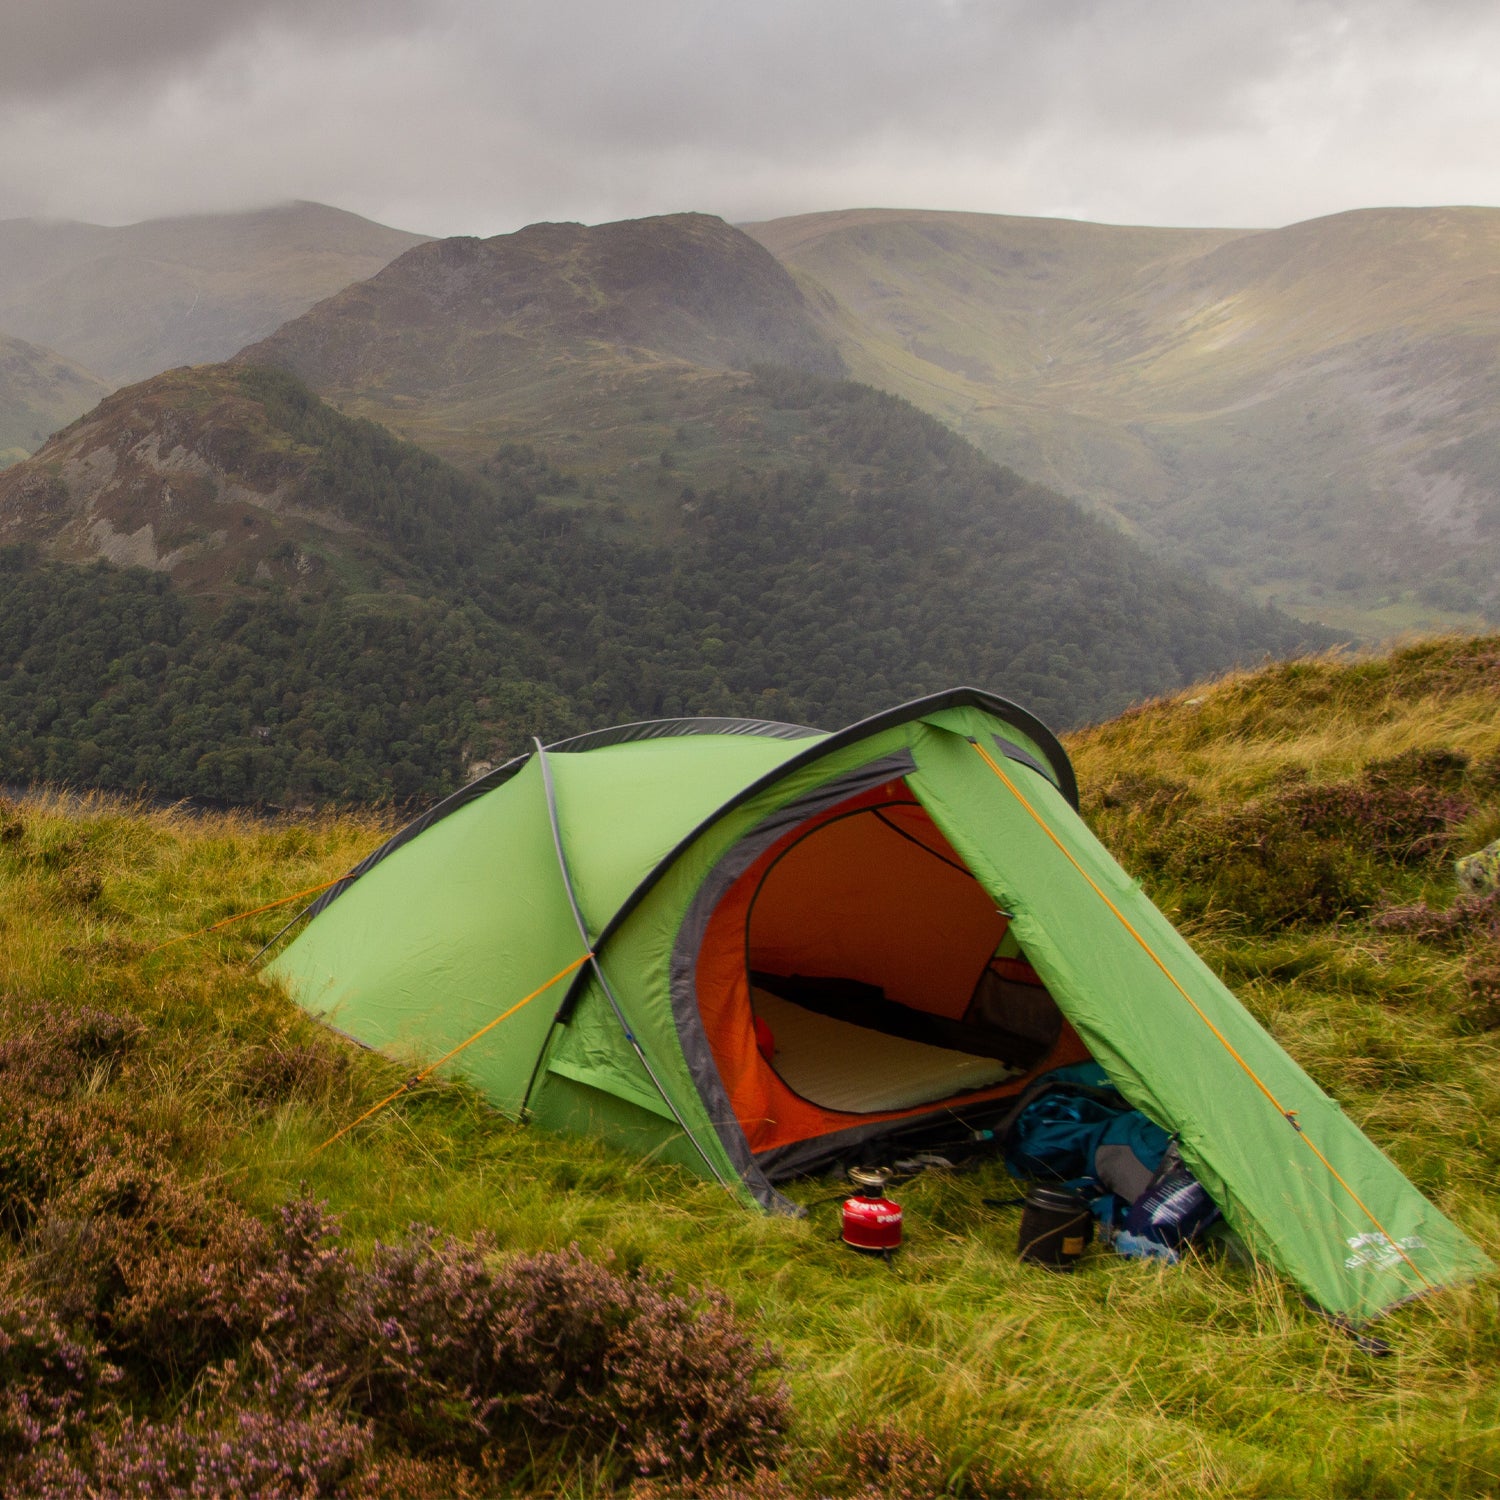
x,y
872,1222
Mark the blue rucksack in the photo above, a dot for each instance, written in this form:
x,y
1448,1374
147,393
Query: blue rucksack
x,y
1076,1128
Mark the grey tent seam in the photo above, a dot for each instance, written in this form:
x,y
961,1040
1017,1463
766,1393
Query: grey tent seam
x,y
604,984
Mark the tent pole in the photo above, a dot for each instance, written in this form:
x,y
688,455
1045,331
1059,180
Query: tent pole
x,y
604,984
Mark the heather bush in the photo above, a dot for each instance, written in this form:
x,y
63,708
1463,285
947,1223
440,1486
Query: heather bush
x,y
1302,852
277,1071
882,1462
444,1353
80,885
1254,863
674,1381
69,866
239,1453
428,1346
887,1462
1484,775
1448,925
399,1476
1426,768
152,1264
41,1147
50,1379
758,1484
1147,794
896,1465
323,1328
113,1237
428,1363
1482,985
1392,821
62,1042
46,1140
299,1301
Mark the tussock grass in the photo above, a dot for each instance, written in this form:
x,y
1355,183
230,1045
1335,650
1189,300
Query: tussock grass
x,y
1124,1379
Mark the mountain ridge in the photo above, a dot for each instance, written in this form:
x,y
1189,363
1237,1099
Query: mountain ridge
x,y
561,333
678,533
347,616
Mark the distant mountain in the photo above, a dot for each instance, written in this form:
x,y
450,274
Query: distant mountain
x,y
128,302
39,392
312,608
1306,413
595,341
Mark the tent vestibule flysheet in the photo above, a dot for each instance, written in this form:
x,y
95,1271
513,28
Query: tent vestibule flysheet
x,y
806,945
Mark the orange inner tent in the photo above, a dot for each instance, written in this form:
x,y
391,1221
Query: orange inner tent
x,y
868,893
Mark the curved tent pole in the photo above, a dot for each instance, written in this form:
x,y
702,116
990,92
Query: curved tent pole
x,y
571,993
609,994
1061,773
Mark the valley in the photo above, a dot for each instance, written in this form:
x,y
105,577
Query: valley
x,y
1303,414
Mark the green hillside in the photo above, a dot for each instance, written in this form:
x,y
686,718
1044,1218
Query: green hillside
x,y
318,610
596,343
214,1319
1304,414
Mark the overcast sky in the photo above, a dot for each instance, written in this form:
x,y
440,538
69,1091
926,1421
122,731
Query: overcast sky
x,y
478,116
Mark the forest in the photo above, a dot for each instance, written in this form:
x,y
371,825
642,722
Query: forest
x,y
880,557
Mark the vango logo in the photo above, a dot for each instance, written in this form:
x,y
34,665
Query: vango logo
x,y
1379,1251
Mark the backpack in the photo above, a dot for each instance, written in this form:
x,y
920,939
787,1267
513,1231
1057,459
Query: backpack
x,y
1074,1127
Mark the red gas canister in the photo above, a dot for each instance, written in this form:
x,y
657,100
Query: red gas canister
x,y
871,1220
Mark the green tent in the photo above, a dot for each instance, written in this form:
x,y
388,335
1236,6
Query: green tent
x,y
756,949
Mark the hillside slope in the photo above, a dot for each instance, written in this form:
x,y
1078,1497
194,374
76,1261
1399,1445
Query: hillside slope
x,y
128,302
39,392
191,474
1306,413
309,573
595,342
210,1135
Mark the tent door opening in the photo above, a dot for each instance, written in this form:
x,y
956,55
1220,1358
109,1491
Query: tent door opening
x,y
882,975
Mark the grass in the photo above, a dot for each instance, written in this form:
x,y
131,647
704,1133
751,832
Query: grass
x,y
1124,1379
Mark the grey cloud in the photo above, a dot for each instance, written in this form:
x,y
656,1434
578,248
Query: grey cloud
x,y
475,116
787,78
65,46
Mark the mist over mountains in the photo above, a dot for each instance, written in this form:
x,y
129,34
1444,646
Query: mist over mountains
x,y
595,342
85,308
129,302
701,519
39,392
1302,414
